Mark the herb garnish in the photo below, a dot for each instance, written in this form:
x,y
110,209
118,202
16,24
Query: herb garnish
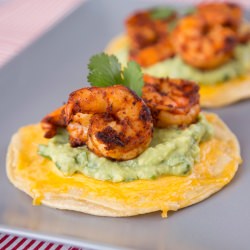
x,y
162,12
105,70
190,11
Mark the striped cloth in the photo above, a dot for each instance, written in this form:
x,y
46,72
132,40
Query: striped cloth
x,y
11,242
23,21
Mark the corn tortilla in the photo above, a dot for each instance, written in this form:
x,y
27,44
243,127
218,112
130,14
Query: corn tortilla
x,y
39,178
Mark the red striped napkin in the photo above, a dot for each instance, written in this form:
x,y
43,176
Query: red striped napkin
x,y
11,242
23,21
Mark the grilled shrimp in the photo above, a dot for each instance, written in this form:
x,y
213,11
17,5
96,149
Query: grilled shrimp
x,y
171,101
52,121
150,55
78,129
225,14
245,37
148,38
202,45
120,124
244,33
143,30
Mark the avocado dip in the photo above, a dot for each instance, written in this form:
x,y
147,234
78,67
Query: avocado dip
x,y
171,152
176,68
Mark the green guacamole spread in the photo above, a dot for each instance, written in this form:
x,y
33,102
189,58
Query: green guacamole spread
x,y
171,152
176,68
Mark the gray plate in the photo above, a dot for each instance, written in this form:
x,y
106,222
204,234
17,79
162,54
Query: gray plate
x,y
38,80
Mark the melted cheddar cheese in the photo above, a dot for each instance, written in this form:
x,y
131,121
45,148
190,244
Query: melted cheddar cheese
x,y
221,94
39,177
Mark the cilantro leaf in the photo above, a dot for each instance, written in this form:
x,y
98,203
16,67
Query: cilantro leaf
x,y
104,70
132,77
190,11
171,26
161,12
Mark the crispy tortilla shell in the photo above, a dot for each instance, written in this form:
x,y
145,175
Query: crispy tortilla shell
x,y
39,178
212,96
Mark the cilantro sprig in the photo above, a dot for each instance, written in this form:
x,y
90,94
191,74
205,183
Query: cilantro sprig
x,y
105,70
161,12
190,11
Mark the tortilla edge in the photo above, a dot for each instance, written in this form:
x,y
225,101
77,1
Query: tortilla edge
x,y
90,207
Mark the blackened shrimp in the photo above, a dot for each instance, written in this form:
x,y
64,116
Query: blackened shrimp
x,y
120,125
149,39
144,31
224,14
172,102
203,45
150,55
52,121
244,33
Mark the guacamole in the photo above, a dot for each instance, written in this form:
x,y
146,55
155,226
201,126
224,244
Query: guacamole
x,y
171,152
176,68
